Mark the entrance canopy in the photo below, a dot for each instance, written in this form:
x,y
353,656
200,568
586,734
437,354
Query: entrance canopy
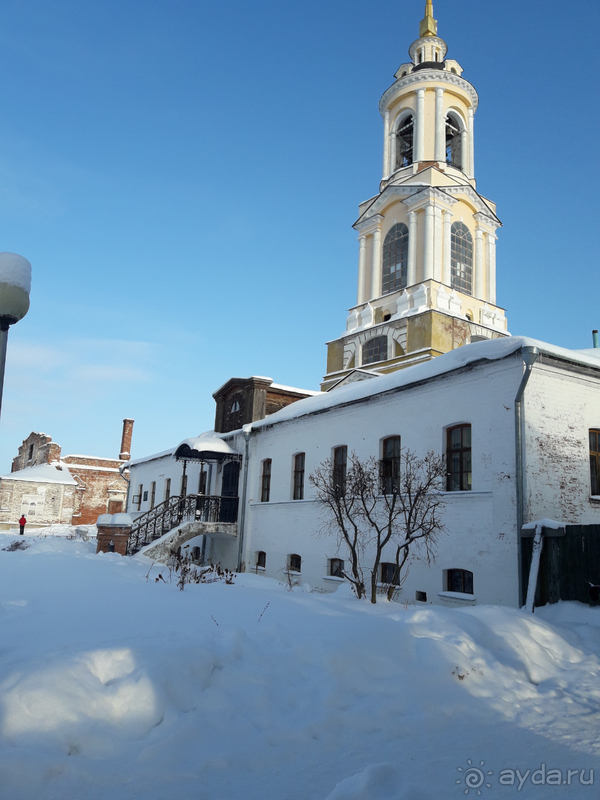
x,y
206,447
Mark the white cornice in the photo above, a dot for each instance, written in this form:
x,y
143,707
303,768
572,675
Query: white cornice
x,y
486,220
365,221
368,225
479,203
424,197
415,196
424,41
428,76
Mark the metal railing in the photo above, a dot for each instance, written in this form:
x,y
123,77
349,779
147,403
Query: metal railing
x,y
172,512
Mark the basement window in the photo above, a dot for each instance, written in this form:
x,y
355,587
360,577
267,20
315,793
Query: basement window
x,y
294,563
336,568
389,574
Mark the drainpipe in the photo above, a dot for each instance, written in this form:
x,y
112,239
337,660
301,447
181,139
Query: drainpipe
x,y
530,356
247,431
127,481
534,569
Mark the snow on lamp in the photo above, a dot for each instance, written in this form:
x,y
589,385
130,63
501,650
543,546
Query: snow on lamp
x,y
15,285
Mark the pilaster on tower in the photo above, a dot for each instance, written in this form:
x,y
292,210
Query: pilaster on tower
x,y
427,241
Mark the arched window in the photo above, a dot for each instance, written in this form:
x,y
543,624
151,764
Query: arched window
x,y
404,142
461,258
389,465
453,142
375,349
265,481
340,465
458,458
395,259
299,460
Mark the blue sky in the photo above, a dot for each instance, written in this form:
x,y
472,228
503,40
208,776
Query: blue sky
x,y
183,177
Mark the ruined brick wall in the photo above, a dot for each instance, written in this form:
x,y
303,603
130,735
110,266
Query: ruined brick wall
x,y
100,487
41,503
38,448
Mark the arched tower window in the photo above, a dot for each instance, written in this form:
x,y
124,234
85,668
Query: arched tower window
x,y
461,258
404,142
375,349
453,142
395,259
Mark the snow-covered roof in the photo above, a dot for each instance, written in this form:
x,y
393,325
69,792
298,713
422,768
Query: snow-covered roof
x,y
43,473
153,457
491,349
280,387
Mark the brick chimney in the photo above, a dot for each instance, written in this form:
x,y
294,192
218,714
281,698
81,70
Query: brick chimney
x,y
125,453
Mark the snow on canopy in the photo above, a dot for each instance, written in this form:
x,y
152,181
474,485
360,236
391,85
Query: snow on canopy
x,y
43,473
490,350
207,445
15,270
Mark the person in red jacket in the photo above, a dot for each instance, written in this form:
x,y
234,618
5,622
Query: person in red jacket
x,y
22,523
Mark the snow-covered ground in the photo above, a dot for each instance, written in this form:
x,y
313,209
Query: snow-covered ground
x,y
115,686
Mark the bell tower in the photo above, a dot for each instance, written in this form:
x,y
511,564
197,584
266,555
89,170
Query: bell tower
x,y
427,240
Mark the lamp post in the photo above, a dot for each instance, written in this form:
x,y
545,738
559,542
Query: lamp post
x,y
15,285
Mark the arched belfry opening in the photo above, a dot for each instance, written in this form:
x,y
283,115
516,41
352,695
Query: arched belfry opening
x,y
404,142
454,141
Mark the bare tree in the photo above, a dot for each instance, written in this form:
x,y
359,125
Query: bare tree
x,y
342,517
372,507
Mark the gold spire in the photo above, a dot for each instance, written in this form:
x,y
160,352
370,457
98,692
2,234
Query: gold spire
x,y
428,26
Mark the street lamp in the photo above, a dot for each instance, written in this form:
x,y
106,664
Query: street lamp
x,y
15,285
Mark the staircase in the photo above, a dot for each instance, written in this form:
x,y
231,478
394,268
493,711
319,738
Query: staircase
x,y
176,510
